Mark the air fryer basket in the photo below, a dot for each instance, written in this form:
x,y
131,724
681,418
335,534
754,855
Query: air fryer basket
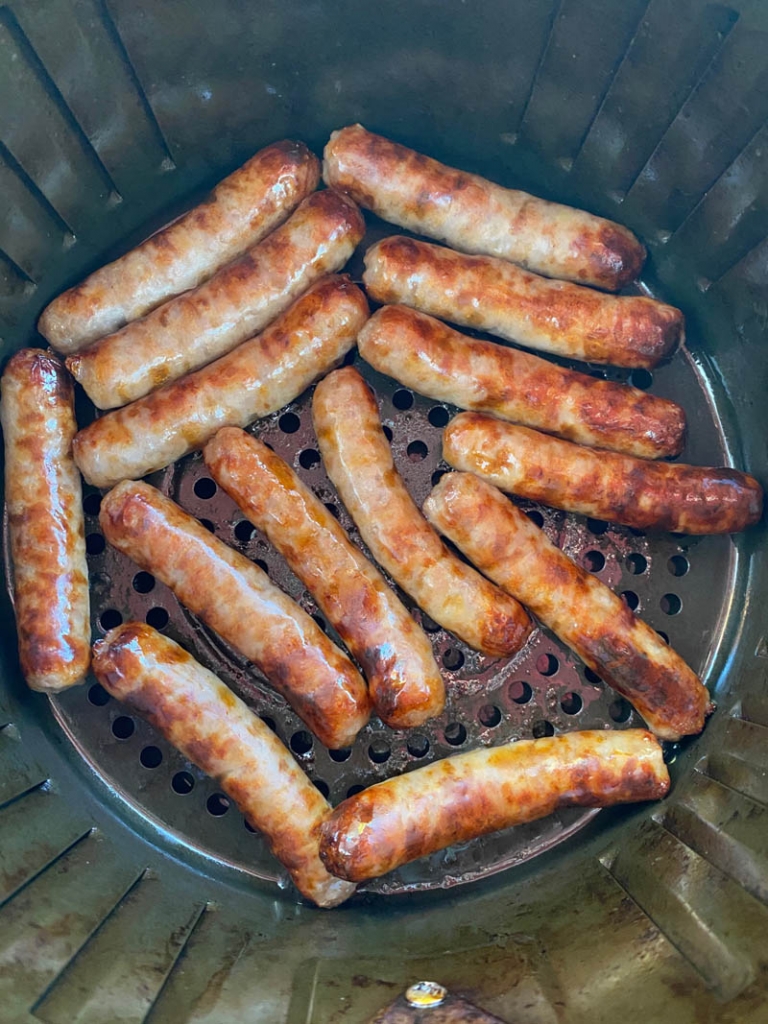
x,y
128,889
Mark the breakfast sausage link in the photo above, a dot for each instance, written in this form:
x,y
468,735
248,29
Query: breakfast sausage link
x,y
359,462
236,599
641,494
492,295
391,648
215,730
240,211
259,377
475,215
242,298
586,615
472,794
433,359
43,497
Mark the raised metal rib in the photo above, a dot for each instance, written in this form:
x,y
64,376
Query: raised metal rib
x,y
19,772
120,971
705,915
35,831
49,920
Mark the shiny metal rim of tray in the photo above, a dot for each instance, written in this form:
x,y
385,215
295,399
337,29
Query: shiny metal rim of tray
x,y
682,586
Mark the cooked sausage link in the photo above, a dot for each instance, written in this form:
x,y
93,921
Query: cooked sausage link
x,y
240,211
492,295
433,359
259,377
43,497
198,327
477,216
359,462
393,651
213,728
587,616
236,599
635,492
472,794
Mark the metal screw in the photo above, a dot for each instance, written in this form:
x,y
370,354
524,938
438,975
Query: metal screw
x,y
426,994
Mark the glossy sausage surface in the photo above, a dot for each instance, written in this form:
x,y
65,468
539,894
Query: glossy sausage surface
x,y
240,211
475,215
359,462
213,728
241,299
618,488
587,616
391,648
433,359
482,791
236,599
43,497
493,295
259,377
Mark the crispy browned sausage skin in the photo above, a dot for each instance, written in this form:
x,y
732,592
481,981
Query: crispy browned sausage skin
x,y
476,216
472,794
45,521
240,211
433,359
241,299
213,728
235,598
492,295
257,378
358,460
642,494
393,651
594,622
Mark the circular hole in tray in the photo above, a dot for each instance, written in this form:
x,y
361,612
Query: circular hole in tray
x,y
678,565
402,399
205,487
489,715
671,604
98,696
438,416
182,783
123,727
637,563
217,804
151,757
571,703
520,692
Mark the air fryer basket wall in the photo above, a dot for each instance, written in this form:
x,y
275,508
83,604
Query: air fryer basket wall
x,y
113,115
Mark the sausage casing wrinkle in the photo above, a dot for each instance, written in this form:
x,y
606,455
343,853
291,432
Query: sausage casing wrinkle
x,y
236,599
391,648
43,497
359,462
240,211
587,616
474,215
212,727
482,791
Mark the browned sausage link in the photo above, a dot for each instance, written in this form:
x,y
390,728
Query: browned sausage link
x,y
472,794
644,495
489,294
45,521
478,216
595,623
430,357
212,727
242,298
257,378
241,211
393,651
359,462
235,598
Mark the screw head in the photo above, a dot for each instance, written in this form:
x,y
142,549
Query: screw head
x,y
426,994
